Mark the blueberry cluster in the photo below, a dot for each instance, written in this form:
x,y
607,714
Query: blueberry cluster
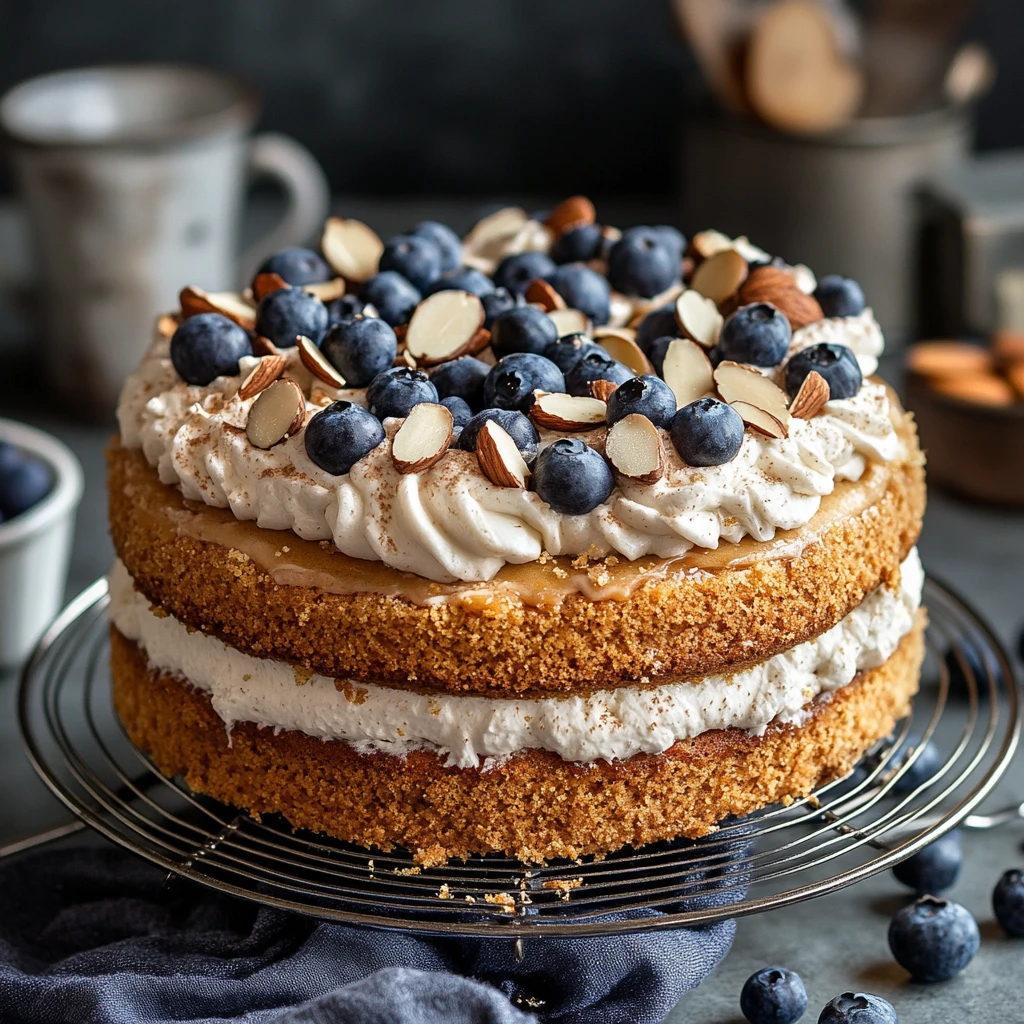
x,y
25,480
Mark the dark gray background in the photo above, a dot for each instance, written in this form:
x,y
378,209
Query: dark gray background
x,y
449,96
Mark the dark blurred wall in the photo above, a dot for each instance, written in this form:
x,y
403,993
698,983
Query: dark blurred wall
x,y
488,96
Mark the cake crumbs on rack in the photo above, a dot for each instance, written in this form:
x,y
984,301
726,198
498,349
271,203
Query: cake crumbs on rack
x,y
563,886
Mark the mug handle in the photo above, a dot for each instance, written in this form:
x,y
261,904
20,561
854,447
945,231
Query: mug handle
x,y
308,193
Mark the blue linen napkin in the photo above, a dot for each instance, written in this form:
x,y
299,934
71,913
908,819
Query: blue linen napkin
x,y
93,934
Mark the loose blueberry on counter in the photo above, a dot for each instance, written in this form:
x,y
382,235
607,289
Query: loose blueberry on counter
x,y
839,296
858,1008
360,348
285,314
927,763
569,349
394,392
659,323
642,263
514,423
583,289
448,243
707,432
578,244
757,334
463,279
511,382
297,266
572,477
836,363
392,296
1008,903
595,366
25,480
461,412
933,869
523,329
515,272
416,257
209,345
339,436
461,378
933,939
774,995
647,395
346,306
501,300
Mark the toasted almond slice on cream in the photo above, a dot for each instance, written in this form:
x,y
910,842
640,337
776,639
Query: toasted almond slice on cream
x,y
634,447
316,362
687,371
501,461
698,318
352,249
739,383
557,411
445,325
571,321
759,420
264,373
423,438
230,304
278,412
627,352
719,277
326,291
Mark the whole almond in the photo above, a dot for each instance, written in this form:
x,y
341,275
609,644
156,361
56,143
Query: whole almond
x,y
265,372
811,398
573,212
778,287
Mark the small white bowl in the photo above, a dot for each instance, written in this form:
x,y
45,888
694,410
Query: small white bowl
x,y
35,546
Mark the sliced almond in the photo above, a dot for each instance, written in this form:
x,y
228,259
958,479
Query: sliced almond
x,y
571,321
706,244
543,294
634,447
316,362
422,439
501,461
326,291
759,420
404,358
571,213
566,412
610,331
698,318
739,383
602,389
627,352
230,304
487,239
687,371
263,374
719,277
445,325
264,284
263,346
352,249
166,325
811,398
278,412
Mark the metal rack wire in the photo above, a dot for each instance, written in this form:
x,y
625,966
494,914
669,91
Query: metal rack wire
x,y
844,832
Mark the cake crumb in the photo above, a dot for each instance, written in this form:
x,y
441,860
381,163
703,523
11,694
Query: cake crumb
x,y
414,870
302,674
563,886
501,899
444,893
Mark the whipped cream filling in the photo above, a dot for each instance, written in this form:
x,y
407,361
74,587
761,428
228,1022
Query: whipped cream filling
x,y
607,725
450,523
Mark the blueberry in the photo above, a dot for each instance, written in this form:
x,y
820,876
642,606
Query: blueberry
x,y
348,305
24,481
339,436
416,257
448,243
516,272
672,237
657,351
359,348
209,345
461,378
511,382
659,323
642,263
774,995
858,1008
501,300
927,763
571,477
1008,903
297,266
569,349
461,412
933,939
392,296
583,289
975,665
523,329
514,423
394,392
933,869
757,334
649,396
285,314
595,366
707,432
836,363
839,296
578,244
464,279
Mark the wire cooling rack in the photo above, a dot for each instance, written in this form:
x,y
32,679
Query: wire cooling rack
x,y
844,832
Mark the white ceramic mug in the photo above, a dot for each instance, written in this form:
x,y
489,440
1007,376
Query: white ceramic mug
x,y
134,178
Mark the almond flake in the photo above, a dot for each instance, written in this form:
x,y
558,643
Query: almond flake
x,y
501,461
485,244
423,438
573,212
634,447
706,244
278,412
557,411
541,293
229,304
166,325
326,291
571,321
739,383
264,284
263,346
352,249
627,352
698,318
316,362
602,389
811,398
445,325
719,277
759,420
687,371
609,331
263,374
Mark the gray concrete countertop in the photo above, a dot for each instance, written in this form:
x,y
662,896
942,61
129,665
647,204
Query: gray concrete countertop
x,y
837,942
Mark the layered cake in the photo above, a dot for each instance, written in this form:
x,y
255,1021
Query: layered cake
x,y
546,540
